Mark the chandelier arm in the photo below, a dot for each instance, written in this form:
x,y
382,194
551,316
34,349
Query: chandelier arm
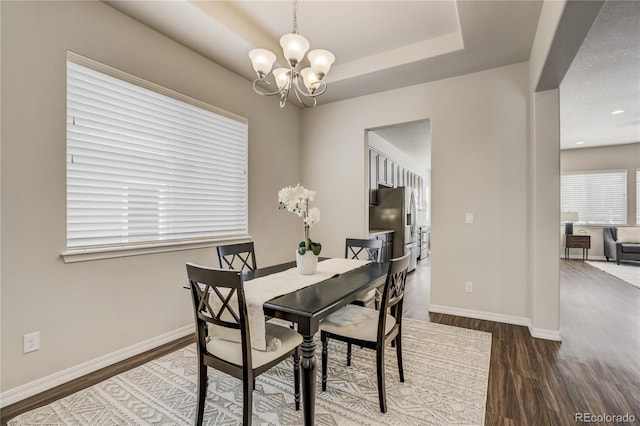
x,y
298,92
283,98
284,92
321,87
262,92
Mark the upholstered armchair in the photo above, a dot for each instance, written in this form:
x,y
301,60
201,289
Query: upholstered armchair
x,y
622,243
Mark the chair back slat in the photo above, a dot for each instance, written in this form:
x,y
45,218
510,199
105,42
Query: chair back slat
x,y
240,257
219,301
363,249
225,303
393,293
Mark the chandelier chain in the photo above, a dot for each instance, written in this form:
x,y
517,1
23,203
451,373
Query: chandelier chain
x,y
295,17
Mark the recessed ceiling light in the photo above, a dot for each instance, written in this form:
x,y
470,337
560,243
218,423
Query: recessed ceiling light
x,y
580,143
618,111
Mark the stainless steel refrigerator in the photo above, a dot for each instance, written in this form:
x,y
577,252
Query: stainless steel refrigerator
x,y
396,211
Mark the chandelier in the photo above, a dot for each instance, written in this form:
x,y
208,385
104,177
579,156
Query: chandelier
x,y
294,47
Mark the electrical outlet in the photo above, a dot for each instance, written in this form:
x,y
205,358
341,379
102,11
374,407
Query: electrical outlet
x,y
468,287
31,342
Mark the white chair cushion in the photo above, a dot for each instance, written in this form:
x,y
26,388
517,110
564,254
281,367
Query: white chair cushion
x,y
356,322
629,234
367,296
232,351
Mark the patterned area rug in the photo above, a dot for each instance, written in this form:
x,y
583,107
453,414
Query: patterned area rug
x,y
446,373
628,272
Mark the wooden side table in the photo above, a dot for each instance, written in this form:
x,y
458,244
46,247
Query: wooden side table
x,y
577,241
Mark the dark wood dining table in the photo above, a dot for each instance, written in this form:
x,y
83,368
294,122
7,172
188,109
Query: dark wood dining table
x,y
308,306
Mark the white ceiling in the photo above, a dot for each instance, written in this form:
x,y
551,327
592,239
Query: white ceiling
x,y
604,77
413,138
379,45
384,45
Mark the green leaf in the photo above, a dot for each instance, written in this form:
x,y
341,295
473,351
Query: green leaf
x,y
315,248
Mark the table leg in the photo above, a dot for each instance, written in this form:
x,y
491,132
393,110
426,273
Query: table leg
x,y
308,379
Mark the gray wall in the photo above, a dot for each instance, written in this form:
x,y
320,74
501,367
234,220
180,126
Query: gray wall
x,y
89,309
478,164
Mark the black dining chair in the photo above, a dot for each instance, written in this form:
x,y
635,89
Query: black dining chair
x,y
370,328
364,249
219,301
241,257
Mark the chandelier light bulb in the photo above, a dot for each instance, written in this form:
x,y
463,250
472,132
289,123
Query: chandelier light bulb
x,y
310,79
294,47
282,78
262,61
321,61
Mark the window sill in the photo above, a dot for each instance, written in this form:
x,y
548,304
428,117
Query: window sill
x,y
97,253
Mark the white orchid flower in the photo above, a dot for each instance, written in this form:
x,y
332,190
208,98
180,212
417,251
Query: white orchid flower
x,y
296,200
313,217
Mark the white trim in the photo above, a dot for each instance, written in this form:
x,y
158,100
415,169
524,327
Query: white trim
x,y
27,390
539,333
95,253
489,316
542,333
597,257
576,257
584,172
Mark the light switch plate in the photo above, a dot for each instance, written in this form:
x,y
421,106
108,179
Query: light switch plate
x,y
469,217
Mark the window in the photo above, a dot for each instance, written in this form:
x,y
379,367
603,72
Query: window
x,y
146,165
638,197
599,197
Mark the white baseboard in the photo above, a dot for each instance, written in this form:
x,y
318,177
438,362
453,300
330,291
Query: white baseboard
x,y
591,257
27,390
597,257
542,333
538,333
489,316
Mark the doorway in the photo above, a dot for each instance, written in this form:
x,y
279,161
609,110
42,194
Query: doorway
x,y
399,156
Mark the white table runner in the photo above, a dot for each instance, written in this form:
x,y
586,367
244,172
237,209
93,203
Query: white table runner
x,y
260,290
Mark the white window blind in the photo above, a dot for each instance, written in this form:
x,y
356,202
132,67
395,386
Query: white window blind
x,y
146,165
599,197
638,197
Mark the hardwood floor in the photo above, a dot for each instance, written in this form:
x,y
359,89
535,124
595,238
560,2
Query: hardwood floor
x,y
47,397
595,369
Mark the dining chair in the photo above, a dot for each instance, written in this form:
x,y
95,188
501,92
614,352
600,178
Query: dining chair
x,y
241,256
219,301
364,249
370,328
